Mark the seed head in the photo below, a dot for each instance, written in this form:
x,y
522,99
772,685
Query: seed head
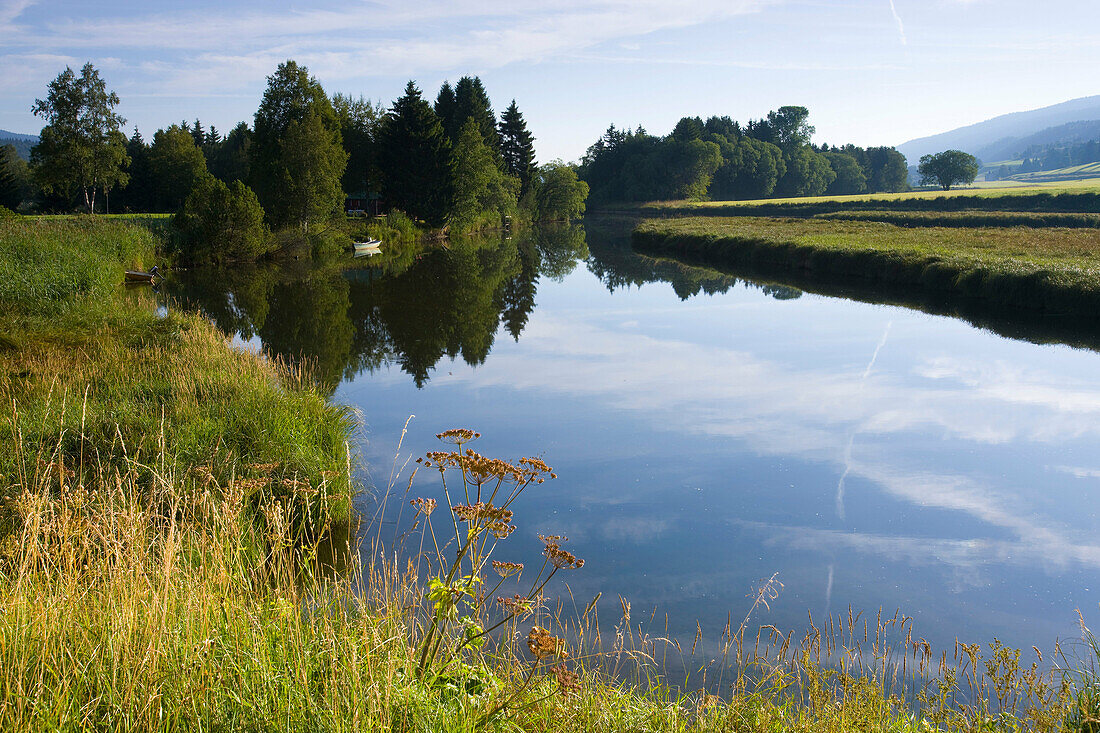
x,y
568,681
543,645
458,436
507,569
425,506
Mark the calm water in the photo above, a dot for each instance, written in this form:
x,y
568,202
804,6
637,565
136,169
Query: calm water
x,y
708,433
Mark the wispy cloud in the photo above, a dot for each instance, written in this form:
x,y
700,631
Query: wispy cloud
x,y
901,26
370,39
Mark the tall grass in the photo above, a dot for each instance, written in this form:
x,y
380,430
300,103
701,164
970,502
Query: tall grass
x,y
142,596
142,381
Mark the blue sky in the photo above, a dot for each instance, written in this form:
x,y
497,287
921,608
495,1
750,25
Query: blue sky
x,y
872,72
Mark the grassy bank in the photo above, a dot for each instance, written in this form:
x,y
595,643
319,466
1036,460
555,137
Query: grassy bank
x,y
971,219
81,352
153,575
1045,270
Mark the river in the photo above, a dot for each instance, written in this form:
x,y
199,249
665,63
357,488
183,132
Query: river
x,y
710,432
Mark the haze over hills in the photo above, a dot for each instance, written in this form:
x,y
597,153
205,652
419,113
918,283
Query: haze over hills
x,y
22,143
1003,137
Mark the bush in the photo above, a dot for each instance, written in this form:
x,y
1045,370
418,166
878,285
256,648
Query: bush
x,y
558,194
220,223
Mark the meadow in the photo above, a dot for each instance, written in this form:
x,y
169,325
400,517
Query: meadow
x,y
171,558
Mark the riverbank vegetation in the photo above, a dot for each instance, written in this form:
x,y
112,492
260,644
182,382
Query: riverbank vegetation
x,y
168,561
91,372
1049,270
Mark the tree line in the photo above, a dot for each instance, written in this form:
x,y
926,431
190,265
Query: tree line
x,y
720,159
1048,158
452,165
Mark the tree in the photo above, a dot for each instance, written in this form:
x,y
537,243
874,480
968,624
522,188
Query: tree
x,y
886,170
750,171
479,185
849,176
472,101
948,168
359,119
220,223
808,174
688,129
312,163
558,193
291,96
446,109
177,166
140,191
790,128
415,159
517,147
229,160
14,178
81,147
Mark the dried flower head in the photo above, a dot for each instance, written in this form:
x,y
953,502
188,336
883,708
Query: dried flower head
x,y
558,557
543,645
518,605
486,516
425,506
458,436
568,680
507,569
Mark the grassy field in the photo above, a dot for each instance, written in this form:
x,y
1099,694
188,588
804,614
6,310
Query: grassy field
x,y
1047,270
166,562
981,190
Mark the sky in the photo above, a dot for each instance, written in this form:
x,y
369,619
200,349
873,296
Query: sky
x,y
871,72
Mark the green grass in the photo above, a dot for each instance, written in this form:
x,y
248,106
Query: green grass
x,y
993,189
1085,172
1046,270
78,347
969,218
153,576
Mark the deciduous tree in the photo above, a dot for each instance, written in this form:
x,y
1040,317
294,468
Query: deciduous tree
x,y
948,168
81,147
291,96
177,166
559,195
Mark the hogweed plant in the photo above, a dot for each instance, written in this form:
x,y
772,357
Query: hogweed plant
x,y
463,608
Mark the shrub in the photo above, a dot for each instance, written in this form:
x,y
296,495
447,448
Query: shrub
x,y
220,223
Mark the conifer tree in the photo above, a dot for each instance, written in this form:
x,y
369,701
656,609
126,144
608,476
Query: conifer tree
x,y
198,134
415,159
472,101
517,147
446,109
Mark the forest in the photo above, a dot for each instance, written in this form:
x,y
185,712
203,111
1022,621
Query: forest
x,y
449,166
720,159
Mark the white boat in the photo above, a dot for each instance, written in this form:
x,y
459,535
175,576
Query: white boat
x,y
370,244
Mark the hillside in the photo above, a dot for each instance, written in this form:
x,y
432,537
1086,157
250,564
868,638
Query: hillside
x,y
989,139
22,143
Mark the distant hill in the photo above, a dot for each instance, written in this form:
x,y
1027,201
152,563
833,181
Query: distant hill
x,y
991,139
23,143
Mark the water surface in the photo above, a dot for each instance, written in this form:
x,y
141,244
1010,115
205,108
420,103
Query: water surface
x,y
710,432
